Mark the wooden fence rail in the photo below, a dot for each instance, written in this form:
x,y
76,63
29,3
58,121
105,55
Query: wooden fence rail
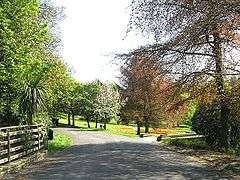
x,y
184,136
19,141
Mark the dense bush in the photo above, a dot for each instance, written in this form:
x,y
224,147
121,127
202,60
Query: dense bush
x,y
207,121
192,107
9,117
190,143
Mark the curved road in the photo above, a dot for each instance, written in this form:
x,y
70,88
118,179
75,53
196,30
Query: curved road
x,y
97,155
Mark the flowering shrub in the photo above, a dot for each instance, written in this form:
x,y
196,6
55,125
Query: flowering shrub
x,y
161,131
126,130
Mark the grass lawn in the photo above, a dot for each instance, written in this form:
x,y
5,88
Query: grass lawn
x,y
170,131
188,143
123,130
60,142
111,128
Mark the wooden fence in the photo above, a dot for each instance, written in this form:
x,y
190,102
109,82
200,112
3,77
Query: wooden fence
x,y
19,141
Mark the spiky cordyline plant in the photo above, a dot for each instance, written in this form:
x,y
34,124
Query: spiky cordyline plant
x,y
32,100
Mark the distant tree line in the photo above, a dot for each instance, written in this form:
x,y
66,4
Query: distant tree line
x,y
95,101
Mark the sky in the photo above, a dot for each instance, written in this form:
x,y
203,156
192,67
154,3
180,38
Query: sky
x,y
92,32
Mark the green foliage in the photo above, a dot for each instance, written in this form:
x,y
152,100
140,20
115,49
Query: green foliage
x,y
90,92
60,142
58,84
233,151
207,121
26,59
21,40
9,117
192,107
28,139
75,97
190,143
198,144
42,118
32,100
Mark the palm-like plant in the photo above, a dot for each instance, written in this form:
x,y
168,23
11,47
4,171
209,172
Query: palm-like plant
x,y
32,100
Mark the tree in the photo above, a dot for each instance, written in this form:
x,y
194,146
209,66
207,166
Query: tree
x,y
40,87
51,14
32,100
143,91
90,92
22,42
57,83
196,41
70,100
26,54
76,96
107,106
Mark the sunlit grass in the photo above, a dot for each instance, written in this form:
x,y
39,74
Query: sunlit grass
x,y
60,142
123,130
111,128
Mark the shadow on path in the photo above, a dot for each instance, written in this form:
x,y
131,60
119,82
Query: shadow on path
x,y
77,128
118,160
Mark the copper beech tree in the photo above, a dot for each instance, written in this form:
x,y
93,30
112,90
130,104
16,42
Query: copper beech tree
x,y
146,93
196,41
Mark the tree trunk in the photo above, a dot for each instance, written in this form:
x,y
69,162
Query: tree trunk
x,y
96,124
219,79
73,120
138,128
146,124
69,119
88,123
146,128
30,117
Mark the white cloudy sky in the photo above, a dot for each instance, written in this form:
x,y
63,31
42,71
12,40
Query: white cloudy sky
x,y
92,30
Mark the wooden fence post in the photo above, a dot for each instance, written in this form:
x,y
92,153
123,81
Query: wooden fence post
x,y
9,145
25,140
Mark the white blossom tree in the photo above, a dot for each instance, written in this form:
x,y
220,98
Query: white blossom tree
x,y
108,105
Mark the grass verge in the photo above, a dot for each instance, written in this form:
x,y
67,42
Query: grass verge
x,y
199,144
60,142
188,143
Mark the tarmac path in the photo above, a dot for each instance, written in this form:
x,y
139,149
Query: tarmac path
x,y
97,155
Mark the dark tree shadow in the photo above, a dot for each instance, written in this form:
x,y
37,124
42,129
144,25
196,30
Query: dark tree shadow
x,y
78,128
60,125
120,160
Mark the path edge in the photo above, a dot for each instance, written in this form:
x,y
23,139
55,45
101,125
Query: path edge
x,y
17,165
